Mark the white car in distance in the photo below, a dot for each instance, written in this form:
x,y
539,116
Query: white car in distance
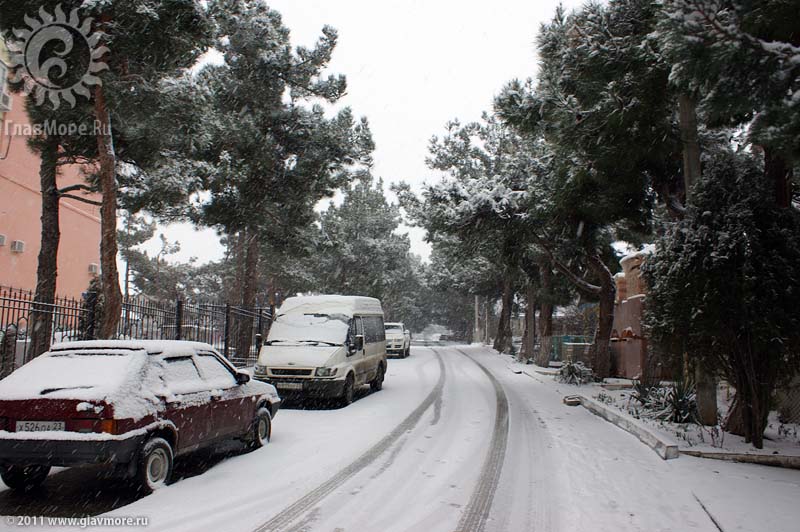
x,y
398,339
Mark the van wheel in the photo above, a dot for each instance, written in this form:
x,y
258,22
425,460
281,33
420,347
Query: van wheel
x,y
349,391
154,465
377,382
24,478
261,431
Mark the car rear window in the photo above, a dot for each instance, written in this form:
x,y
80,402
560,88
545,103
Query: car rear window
x,y
74,375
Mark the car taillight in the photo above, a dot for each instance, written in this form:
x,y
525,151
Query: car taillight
x,y
83,425
94,425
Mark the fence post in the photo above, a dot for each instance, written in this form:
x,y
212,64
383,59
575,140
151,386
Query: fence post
x,y
227,338
178,318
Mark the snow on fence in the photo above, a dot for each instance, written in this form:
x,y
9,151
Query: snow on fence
x,y
233,330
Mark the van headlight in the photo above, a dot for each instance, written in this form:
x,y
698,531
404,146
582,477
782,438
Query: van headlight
x,y
261,370
325,372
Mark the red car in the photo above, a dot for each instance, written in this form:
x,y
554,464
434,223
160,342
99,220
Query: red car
x,y
132,404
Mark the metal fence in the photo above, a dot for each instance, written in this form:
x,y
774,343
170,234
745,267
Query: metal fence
x,y
233,330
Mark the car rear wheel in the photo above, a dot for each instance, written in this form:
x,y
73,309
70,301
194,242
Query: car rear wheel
x,y
349,390
155,464
377,382
261,431
24,478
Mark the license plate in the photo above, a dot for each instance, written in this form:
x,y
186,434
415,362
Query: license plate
x,y
39,426
290,385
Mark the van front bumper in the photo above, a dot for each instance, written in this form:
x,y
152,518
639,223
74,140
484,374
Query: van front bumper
x,y
311,388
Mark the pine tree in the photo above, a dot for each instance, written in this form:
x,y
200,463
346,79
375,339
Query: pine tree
x,y
268,152
724,283
359,251
741,61
480,201
140,43
601,106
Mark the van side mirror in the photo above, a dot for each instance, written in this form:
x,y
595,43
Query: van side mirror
x,y
358,344
242,378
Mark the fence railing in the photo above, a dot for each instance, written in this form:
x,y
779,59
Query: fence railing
x,y
230,329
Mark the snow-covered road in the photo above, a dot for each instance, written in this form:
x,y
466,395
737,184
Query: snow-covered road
x,y
455,441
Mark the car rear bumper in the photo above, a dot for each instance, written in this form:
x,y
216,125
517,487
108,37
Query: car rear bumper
x,y
311,388
274,406
69,452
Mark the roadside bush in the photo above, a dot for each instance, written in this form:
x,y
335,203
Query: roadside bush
x,y
676,403
574,373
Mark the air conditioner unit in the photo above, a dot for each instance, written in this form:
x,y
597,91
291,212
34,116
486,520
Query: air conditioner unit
x,y
17,246
5,102
2,240
5,96
94,268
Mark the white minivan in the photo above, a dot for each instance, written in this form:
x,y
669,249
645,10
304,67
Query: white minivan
x,y
324,347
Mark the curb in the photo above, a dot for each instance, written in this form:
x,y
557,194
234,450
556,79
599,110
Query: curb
x,y
774,460
666,449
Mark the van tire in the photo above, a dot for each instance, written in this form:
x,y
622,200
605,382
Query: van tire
x,y
154,465
349,390
377,383
24,478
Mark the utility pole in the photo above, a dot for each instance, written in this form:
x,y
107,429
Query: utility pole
x,y
476,335
486,321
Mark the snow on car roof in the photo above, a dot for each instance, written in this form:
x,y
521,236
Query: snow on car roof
x,y
153,347
345,305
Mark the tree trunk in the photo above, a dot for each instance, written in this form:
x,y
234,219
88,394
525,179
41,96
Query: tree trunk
x,y
250,246
706,396
545,316
8,351
502,342
41,325
601,349
687,113
748,418
779,173
529,337
112,296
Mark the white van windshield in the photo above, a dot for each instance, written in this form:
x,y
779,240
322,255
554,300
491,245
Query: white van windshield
x,y
311,329
393,327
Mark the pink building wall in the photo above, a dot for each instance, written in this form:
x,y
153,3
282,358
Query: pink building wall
x,y
20,211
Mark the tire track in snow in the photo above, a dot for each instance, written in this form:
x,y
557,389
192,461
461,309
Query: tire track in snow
x,y
480,503
290,514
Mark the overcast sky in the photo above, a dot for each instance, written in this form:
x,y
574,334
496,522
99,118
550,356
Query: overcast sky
x,y
411,66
